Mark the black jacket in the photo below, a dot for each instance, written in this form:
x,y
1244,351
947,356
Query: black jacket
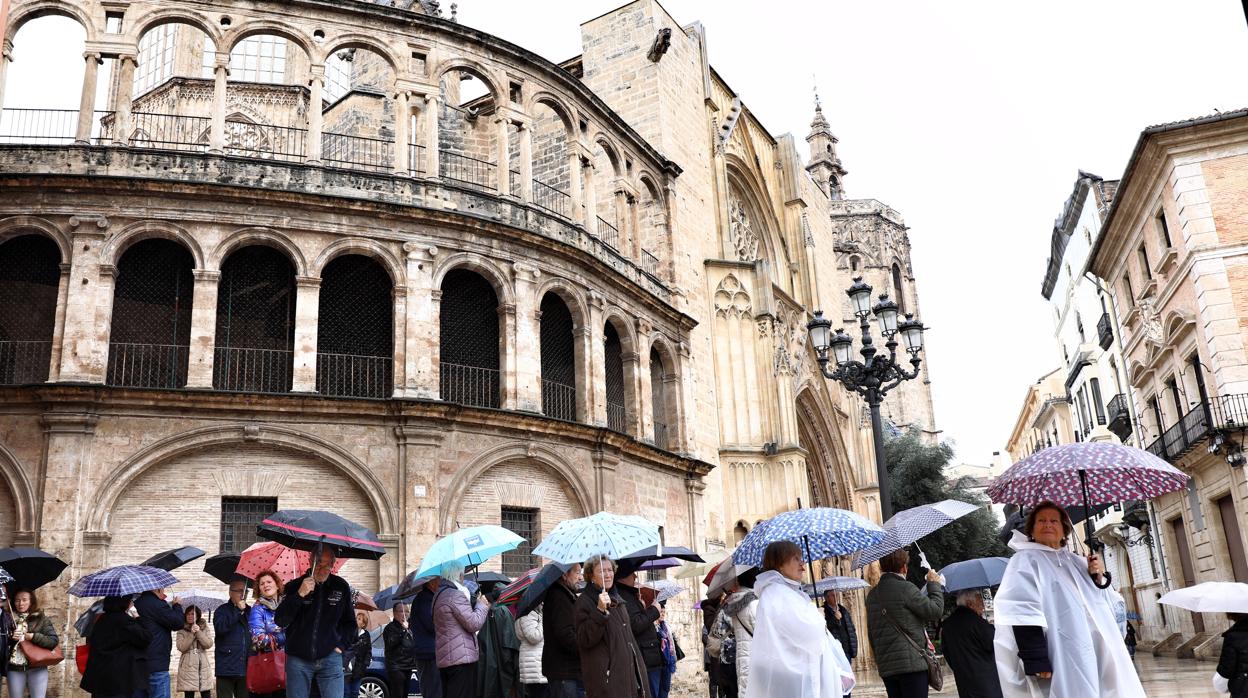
x,y
1233,664
642,619
358,656
843,630
316,625
400,646
561,658
160,620
231,638
967,642
421,623
117,663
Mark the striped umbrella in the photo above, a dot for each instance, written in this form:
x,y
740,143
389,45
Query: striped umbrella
x,y
122,581
910,525
510,594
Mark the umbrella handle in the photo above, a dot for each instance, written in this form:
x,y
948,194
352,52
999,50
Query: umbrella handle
x,y
1087,520
810,559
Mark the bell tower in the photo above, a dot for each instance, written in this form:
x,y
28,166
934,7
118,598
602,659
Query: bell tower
x,y
825,167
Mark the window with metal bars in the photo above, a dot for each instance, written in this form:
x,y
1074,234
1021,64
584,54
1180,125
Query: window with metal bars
x,y
151,329
255,322
558,359
658,398
468,345
239,518
29,278
523,523
614,366
654,575
355,329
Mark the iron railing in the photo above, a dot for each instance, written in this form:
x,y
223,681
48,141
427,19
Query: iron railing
x,y
514,183
1105,331
558,400
469,171
147,365
23,361
416,159
169,131
616,416
552,200
1119,415
350,375
265,141
469,385
48,126
608,233
649,263
252,370
1222,412
357,152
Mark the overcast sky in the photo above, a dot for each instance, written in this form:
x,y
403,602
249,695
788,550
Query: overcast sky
x,y
970,118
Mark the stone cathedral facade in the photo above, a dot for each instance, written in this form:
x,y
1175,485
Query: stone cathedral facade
x,y
362,257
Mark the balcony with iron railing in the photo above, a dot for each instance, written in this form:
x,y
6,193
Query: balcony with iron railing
x,y
24,362
1105,331
616,416
1119,417
351,375
608,233
252,370
558,400
147,365
1222,412
470,385
466,170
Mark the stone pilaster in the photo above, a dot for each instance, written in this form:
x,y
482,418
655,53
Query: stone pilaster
x,y
402,119
420,491
605,465
597,362
502,157
307,314
6,56
316,87
86,102
632,392
422,323
429,122
589,195
80,350
203,329
123,100
509,398
583,336
220,73
399,340
645,394
576,187
58,326
526,162
528,366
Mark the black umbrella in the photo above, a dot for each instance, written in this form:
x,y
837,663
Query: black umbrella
x,y
309,530
536,592
30,568
221,567
628,564
411,585
488,578
173,559
86,619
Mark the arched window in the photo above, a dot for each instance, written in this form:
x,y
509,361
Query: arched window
x,y
255,322
898,294
29,278
558,359
658,399
469,354
151,329
355,329
613,355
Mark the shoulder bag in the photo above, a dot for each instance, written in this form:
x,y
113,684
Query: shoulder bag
x,y
266,671
38,657
935,676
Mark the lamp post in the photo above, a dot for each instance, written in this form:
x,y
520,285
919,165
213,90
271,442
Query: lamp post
x,y
877,373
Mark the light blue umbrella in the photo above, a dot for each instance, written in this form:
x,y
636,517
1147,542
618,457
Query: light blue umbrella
x,y
827,584
974,574
912,524
821,532
604,533
469,547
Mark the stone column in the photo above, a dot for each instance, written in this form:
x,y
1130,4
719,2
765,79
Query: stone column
x,y
402,117
597,383
507,356
585,398
79,345
307,313
202,348
315,118
220,73
6,55
577,209
429,119
58,326
528,345
621,219
681,433
526,162
590,197
420,491
123,99
422,337
632,400
634,230
645,396
86,102
502,155
103,319
399,341
694,487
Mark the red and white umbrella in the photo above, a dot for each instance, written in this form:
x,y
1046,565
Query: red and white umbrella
x,y
288,563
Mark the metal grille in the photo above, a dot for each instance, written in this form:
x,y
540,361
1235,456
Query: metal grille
x,y
355,329
658,399
169,131
608,233
552,199
523,523
255,322
558,360
357,152
29,279
469,171
151,326
614,361
468,345
239,518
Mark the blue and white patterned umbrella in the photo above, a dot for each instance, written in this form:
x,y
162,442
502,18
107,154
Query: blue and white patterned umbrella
x,y
827,584
123,580
912,524
604,533
5,577
468,547
820,533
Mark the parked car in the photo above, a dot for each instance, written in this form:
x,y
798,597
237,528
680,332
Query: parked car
x,y
373,685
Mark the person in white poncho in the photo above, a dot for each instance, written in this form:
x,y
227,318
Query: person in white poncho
x,y
792,653
1056,634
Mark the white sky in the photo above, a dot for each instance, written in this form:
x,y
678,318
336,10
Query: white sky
x,y
969,117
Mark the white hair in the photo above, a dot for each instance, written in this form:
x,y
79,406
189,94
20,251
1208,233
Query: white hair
x,y
966,596
453,571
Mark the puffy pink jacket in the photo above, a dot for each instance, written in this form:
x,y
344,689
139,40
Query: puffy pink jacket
x,y
455,623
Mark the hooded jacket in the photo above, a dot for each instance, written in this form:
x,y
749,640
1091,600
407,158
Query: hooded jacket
x,y
791,652
1233,664
456,623
195,666
741,608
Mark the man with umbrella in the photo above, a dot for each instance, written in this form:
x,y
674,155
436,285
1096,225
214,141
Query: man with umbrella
x,y
229,623
967,642
160,619
318,614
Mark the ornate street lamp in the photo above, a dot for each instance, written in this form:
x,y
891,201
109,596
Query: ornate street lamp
x,y
876,373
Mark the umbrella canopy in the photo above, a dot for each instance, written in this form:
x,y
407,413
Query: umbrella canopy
x,y
1132,615
468,547
288,563
689,570
385,600
660,564
821,532
307,530
535,592
411,584
657,552
364,602
604,533
665,589
86,619
173,559
827,584
912,524
725,573
30,568
203,600
5,577
974,574
1210,597
122,581
488,578
221,567
510,594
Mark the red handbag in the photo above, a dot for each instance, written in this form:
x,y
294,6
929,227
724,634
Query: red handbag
x,y
266,671
38,657
80,656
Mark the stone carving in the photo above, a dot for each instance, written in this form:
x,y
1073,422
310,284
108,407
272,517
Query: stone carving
x,y
731,301
1150,319
741,231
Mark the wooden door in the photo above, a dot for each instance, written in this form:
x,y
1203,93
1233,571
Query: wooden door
x,y
1234,539
1185,563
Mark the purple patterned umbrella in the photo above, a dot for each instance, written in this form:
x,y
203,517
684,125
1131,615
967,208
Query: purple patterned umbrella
x,y
1086,473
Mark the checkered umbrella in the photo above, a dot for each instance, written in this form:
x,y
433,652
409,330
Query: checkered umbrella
x,y
912,524
122,581
822,532
604,533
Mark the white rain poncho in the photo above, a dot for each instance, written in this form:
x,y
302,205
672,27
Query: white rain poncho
x,y
1052,589
792,654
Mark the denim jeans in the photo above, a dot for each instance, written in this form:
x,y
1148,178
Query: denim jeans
x,y
34,681
326,672
653,676
567,688
352,688
157,686
665,683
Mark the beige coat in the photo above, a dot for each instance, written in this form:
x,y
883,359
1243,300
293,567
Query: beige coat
x,y
195,667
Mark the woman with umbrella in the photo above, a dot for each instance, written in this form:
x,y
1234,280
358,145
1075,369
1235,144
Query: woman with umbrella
x,y
30,625
611,664
1056,633
457,616
117,665
266,636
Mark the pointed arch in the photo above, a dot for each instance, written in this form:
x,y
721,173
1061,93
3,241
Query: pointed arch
x,y
14,477
750,191
827,460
